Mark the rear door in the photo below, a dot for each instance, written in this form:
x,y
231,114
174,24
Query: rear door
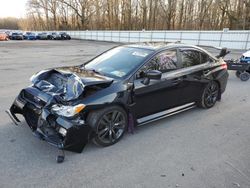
x,y
195,68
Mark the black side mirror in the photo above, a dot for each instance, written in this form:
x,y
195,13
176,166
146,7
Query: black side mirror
x,y
152,74
223,53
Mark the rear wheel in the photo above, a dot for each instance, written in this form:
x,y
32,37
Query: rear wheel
x,y
237,73
209,96
109,124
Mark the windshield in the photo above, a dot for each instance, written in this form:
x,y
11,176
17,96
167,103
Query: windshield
x,y
118,62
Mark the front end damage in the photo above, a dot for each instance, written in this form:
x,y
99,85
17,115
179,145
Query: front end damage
x,y
64,133
36,104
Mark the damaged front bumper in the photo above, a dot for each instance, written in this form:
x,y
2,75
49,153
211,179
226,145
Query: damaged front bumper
x,y
63,133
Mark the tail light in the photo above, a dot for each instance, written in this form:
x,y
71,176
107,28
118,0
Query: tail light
x,y
224,65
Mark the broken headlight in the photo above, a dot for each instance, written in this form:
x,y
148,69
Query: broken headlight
x,y
67,111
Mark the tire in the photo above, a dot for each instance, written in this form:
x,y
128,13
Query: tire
x,y
244,76
209,95
109,125
237,73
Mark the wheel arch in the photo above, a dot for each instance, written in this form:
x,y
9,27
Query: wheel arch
x,y
99,107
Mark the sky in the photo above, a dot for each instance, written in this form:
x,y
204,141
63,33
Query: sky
x,y
12,8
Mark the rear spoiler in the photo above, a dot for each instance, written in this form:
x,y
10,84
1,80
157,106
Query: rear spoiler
x,y
223,53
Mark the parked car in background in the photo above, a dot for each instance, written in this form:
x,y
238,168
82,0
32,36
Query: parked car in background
x,y
8,33
3,36
42,36
29,36
245,58
123,87
241,66
64,36
16,36
54,36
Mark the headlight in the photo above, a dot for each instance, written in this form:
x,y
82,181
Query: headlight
x,y
62,131
67,111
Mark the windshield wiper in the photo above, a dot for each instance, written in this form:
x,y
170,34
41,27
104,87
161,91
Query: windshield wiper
x,y
95,71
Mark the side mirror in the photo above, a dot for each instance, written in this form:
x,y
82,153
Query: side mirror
x,y
152,74
223,53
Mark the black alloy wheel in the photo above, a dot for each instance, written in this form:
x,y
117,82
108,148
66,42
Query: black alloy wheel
x,y
237,73
210,95
109,124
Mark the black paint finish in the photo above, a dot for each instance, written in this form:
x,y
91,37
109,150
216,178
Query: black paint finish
x,y
168,90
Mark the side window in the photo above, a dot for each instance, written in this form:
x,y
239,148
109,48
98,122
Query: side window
x,y
164,62
190,58
205,58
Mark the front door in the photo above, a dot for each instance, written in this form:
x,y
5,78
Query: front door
x,y
160,94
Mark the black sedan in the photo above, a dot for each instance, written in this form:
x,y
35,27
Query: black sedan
x,y
64,36
122,88
54,36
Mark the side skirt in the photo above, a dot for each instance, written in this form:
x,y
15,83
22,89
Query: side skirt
x,y
165,113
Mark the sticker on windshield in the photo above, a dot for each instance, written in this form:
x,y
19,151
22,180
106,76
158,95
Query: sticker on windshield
x,y
141,54
118,73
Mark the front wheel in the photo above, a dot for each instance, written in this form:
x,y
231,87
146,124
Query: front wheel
x,y
209,96
109,125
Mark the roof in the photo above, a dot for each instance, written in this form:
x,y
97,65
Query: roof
x,y
158,45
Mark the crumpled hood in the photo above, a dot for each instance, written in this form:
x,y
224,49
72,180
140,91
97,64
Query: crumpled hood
x,y
87,77
68,82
